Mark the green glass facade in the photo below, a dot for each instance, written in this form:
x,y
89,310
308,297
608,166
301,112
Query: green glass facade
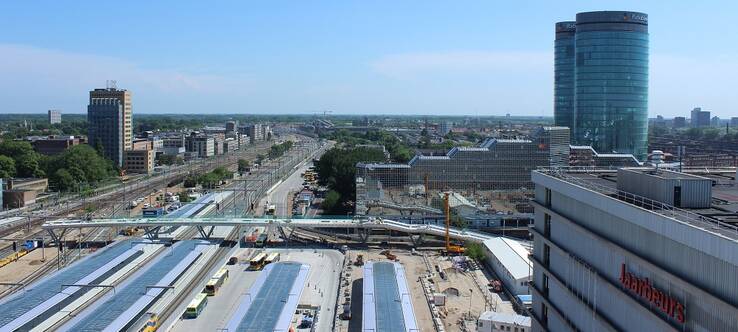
x,y
610,76
564,74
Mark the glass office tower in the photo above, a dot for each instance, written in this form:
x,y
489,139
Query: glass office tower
x,y
611,81
610,77
564,74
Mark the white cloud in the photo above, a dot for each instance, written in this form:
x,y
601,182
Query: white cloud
x,y
30,72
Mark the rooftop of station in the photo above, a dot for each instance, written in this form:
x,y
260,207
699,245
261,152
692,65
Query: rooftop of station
x,y
128,302
387,304
272,299
38,298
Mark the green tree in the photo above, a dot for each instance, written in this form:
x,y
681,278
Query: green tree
x,y
190,182
63,180
15,149
331,202
337,170
474,250
209,180
221,173
243,166
694,133
711,134
82,163
7,167
166,159
277,150
27,165
184,197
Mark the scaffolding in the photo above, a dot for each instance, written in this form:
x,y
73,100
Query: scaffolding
x,y
494,165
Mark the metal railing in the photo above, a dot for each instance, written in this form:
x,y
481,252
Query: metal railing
x,y
666,210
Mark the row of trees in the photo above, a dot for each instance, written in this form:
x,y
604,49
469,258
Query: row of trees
x,y
73,124
168,160
336,170
75,169
278,150
399,151
209,180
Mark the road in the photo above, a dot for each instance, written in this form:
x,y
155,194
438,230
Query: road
x,y
281,195
320,290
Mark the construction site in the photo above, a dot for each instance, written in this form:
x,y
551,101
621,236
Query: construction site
x,y
216,264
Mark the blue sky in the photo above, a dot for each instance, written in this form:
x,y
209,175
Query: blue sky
x,y
351,57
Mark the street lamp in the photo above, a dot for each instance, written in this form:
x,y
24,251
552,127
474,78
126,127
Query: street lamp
x,y
471,294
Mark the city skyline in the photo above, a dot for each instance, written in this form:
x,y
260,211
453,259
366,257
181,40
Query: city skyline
x,y
385,58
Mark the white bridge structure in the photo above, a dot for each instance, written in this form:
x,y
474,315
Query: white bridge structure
x,y
205,226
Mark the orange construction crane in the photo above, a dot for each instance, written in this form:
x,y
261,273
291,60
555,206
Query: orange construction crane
x,y
451,249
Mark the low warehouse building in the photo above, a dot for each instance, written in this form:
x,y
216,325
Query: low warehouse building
x,y
509,259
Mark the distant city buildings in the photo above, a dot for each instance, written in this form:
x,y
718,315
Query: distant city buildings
x,y
139,161
21,192
200,145
715,121
680,122
601,80
231,127
734,121
496,164
54,144
700,118
255,131
54,116
445,127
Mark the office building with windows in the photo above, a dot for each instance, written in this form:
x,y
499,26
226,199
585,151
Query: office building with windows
x,y
635,249
105,127
54,116
605,56
124,98
700,118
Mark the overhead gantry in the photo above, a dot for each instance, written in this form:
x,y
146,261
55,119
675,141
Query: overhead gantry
x,y
205,226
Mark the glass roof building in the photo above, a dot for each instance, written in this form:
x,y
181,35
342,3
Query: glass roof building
x,y
610,80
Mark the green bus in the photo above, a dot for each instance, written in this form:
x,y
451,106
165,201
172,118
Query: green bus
x,y
196,306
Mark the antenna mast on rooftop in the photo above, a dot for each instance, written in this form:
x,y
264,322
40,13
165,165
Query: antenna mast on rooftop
x,y
111,84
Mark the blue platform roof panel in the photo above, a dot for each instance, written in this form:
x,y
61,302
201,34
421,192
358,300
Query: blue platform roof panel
x,y
387,304
272,300
30,306
126,304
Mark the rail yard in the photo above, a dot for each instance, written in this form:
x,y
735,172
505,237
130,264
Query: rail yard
x,y
239,258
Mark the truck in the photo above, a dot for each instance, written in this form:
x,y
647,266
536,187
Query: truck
x,y
271,209
153,212
261,240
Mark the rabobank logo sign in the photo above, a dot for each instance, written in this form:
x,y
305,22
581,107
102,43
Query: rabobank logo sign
x,y
637,17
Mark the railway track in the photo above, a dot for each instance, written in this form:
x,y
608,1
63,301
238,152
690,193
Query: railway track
x,y
203,273
69,255
114,202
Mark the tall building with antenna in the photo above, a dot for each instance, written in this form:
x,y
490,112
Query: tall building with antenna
x,y
110,121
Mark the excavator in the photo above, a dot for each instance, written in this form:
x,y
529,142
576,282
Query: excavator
x,y
450,248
